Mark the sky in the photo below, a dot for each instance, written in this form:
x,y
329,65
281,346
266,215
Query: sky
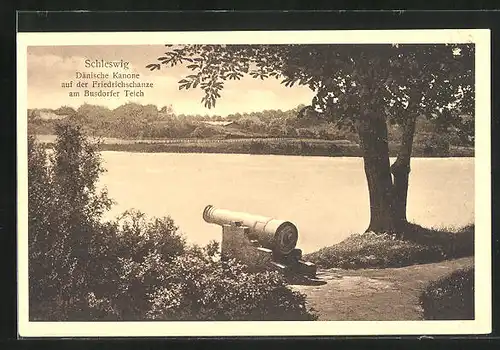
x,y
50,66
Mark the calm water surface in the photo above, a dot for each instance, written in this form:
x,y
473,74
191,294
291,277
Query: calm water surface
x,y
327,198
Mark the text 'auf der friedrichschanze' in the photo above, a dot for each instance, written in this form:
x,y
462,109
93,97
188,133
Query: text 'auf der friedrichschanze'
x,y
105,84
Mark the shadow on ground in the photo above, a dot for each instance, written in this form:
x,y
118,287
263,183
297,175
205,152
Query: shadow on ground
x,y
304,281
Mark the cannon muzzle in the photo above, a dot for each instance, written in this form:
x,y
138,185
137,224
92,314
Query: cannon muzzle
x,y
278,235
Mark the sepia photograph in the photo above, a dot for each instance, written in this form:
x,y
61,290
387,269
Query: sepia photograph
x,y
300,183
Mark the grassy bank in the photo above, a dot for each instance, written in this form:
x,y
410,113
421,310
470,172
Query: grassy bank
x,y
419,246
273,146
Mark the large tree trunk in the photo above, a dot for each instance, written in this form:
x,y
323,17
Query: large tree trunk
x,y
401,171
372,131
388,199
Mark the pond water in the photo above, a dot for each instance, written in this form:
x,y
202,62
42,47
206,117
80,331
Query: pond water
x,y
326,197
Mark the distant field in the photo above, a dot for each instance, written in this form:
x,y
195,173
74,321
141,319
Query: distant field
x,y
275,146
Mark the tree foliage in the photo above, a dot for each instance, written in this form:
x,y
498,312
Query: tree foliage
x,y
433,80
65,110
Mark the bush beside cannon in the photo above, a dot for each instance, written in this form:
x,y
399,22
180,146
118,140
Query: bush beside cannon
x,y
260,242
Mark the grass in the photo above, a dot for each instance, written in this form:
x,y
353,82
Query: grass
x,y
419,245
451,297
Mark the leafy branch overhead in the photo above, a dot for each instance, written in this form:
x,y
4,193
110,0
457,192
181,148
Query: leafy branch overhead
x,y
433,80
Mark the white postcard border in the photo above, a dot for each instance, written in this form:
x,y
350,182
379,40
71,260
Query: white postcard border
x,y
483,239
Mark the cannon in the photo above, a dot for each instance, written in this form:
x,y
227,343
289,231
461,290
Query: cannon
x,y
278,235
258,241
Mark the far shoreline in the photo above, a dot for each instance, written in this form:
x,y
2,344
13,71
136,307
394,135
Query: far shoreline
x,y
263,146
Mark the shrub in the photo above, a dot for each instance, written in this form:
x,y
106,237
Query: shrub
x,y
132,268
192,283
451,297
202,287
136,251
64,210
136,236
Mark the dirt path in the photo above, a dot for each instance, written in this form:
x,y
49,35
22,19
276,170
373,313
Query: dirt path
x,y
375,294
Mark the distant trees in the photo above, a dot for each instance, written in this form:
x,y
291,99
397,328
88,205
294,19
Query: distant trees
x,y
33,115
202,131
137,121
65,110
133,119
167,110
134,112
94,112
275,127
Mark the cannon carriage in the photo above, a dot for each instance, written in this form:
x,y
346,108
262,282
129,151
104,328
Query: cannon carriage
x,y
260,242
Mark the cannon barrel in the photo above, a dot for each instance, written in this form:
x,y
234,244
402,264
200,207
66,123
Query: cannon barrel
x,y
278,235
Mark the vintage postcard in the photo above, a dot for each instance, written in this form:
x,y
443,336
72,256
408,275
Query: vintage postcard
x,y
267,183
